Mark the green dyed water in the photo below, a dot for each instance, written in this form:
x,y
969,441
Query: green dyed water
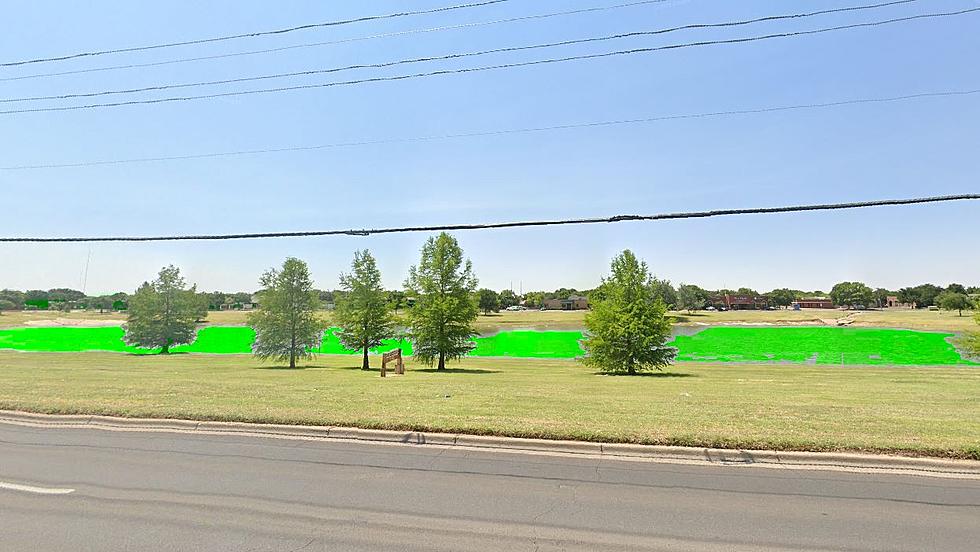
x,y
820,345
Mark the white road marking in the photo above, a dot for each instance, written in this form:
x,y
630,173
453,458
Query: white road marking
x,y
35,490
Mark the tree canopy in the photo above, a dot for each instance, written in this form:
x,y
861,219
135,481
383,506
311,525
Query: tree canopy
x,y
163,313
627,328
440,323
286,325
489,301
852,294
691,297
363,313
953,301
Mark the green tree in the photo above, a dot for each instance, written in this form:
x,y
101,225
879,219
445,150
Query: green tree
x,y
627,328
956,288
953,301
782,297
534,299
851,294
921,296
440,323
507,298
363,313
286,325
163,313
691,297
489,301
7,304
665,291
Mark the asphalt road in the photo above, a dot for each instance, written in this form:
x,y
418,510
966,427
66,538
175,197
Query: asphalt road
x,y
128,491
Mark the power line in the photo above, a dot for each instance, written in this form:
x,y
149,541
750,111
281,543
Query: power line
x,y
253,34
525,130
500,225
341,41
488,67
461,55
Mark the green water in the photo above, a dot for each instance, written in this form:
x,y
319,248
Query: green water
x,y
820,345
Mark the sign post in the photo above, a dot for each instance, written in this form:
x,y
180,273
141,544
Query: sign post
x,y
396,356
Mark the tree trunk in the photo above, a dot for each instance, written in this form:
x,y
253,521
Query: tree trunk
x,y
292,351
166,348
365,365
442,361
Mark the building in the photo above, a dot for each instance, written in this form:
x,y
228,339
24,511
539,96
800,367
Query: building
x,y
893,302
574,302
813,303
739,302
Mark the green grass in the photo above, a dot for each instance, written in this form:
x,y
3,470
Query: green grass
x,y
913,410
820,345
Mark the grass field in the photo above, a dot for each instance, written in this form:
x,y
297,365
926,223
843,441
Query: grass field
x,y
934,411
574,320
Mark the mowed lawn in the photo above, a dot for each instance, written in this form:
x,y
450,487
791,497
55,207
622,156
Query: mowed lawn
x,y
917,410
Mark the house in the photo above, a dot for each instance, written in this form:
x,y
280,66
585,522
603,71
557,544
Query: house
x,y
739,302
813,303
892,302
574,302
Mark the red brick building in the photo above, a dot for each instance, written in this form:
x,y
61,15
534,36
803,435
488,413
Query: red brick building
x,y
739,302
813,303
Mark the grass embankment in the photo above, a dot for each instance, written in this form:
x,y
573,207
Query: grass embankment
x,y
933,411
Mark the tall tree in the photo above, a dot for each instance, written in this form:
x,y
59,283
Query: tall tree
x,y
782,297
952,301
286,325
507,298
163,313
851,294
691,297
627,328
665,291
443,283
363,313
489,301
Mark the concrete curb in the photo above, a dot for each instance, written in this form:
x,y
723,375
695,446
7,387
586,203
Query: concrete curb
x,y
935,467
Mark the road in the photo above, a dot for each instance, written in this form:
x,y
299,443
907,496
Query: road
x,y
89,489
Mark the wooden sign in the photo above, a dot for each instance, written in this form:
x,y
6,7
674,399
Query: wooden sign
x,y
392,356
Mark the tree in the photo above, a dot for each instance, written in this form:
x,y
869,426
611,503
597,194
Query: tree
x,y
507,298
396,298
534,299
691,297
921,296
627,327
851,294
952,301
163,313
489,301
443,284
956,288
6,304
782,297
286,325
880,296
362,312
665,291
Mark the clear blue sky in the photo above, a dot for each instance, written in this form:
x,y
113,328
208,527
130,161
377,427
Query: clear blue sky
x,y
921,147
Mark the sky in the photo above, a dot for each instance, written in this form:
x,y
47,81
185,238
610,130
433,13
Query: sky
x,y
859,152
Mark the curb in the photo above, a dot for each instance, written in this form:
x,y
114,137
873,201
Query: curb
x,y
933,467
